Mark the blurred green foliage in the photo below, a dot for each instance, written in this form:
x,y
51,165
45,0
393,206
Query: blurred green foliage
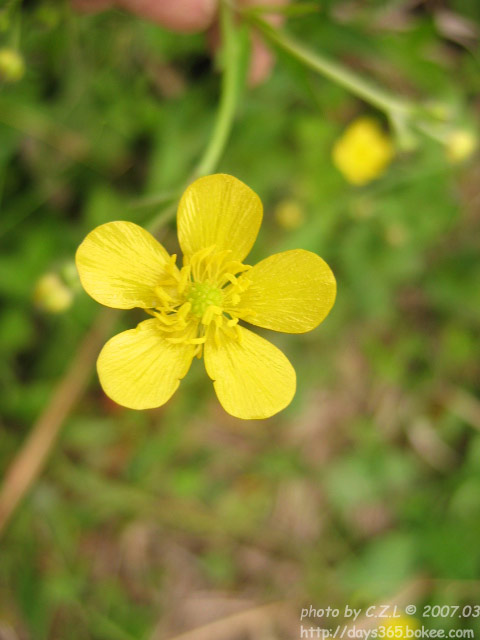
x,y
371,478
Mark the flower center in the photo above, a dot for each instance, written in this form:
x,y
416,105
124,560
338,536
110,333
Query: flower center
x,y
203,295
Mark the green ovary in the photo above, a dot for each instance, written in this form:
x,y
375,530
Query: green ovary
x,y
203,295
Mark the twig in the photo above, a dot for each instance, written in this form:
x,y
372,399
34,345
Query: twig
x,y
248,620
230,90
251,620
331,69
31,458
231,86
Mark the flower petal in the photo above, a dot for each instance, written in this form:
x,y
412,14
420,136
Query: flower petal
x,y
120,264
253,379
139,369
292,291
219,210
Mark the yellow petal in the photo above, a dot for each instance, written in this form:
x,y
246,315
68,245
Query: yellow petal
x,y
139,369
292,291
252,378
363,152
120,264
219,210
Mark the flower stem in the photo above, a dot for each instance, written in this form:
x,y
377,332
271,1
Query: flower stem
x,y
329,68
230,86
231,79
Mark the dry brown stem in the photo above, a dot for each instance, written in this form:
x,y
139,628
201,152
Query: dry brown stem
x,y
32,456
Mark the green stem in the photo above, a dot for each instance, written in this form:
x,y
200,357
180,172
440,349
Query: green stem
x,y
329,68
229,93
161,219
157,200
231,81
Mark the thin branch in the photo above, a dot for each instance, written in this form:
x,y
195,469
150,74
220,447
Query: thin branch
x,y
331,69
238,623
230,89
231,83
31,458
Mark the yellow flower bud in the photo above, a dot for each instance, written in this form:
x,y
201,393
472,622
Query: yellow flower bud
x,y
289,214
51,294
363,152
400,628
12,66
460,145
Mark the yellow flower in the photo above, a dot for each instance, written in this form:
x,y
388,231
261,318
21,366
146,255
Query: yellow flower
x,y
363,152
289,214
12,66
460,145
197,308
399,628
51,294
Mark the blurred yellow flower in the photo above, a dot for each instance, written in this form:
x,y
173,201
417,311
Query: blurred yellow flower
x,y
399,628
289,214
197,308
363,152
460,145
51,294
12,66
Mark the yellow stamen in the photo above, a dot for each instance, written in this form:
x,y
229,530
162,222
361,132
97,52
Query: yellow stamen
x,y
196,296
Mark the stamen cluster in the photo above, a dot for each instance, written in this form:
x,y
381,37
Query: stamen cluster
x,y
202,298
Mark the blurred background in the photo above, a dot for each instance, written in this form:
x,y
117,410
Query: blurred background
x,y
185,522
